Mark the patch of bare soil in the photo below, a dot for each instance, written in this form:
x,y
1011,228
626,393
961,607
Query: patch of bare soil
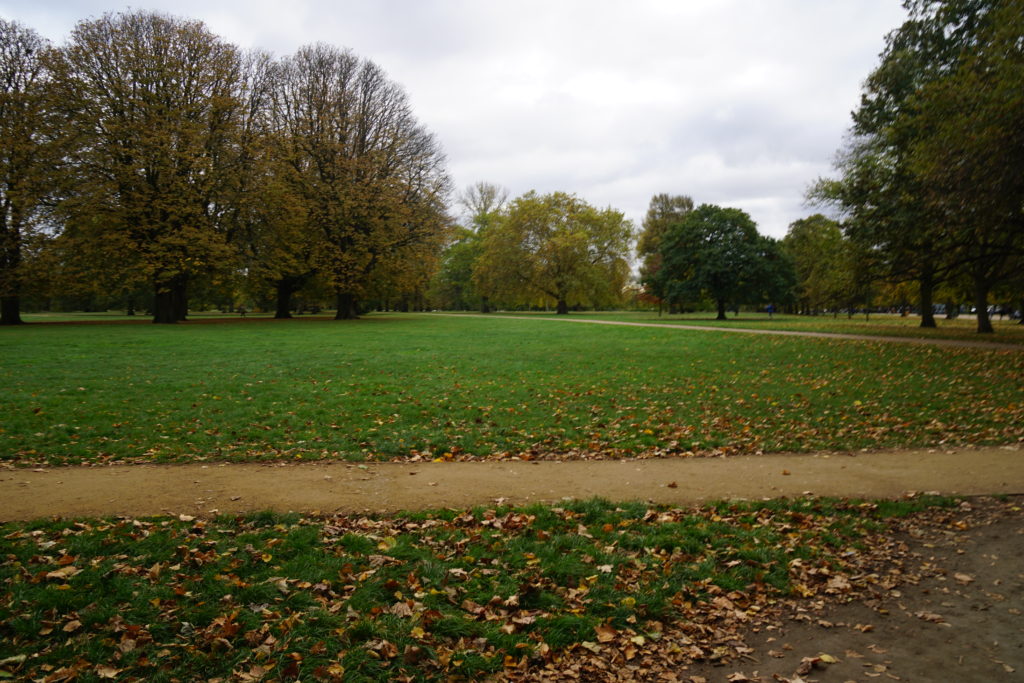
x,y
957,616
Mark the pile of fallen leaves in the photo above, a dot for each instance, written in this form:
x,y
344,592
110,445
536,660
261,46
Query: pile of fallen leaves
x,y
586,591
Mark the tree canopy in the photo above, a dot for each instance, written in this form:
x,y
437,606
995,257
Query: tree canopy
x,y
186,163
155,104
717,252
663,211
558,248
929,180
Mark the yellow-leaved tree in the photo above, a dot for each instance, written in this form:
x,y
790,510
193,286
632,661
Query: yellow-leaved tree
x,y
556,248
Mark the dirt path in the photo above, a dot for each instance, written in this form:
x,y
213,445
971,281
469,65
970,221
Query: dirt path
x,y
966,343
388,487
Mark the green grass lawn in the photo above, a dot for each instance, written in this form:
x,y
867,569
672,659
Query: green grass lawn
x,y
396,386
433,596
878,325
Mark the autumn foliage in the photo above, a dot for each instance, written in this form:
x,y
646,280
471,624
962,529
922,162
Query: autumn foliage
x,y
186,163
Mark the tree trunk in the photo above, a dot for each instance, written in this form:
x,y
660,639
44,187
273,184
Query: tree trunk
x,y
981,306
170,301
285,288
348,308
1021,309
563,307
10,310
180,299
721,310
163,307
926,289
485,304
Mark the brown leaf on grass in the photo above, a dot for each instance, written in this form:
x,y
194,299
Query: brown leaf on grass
x,y
72,626
605,633
63,573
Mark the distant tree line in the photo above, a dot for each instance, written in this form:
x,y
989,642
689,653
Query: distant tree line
x,y
146,159
930,202
146,162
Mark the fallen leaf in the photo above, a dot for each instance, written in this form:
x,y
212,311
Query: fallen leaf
x,y
63,573
930,616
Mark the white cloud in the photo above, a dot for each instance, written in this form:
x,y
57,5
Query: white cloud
x,y
736,102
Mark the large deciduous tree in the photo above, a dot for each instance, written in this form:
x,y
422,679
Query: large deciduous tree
x,y
372,179
818,252
971,161
266,216
556,247
887,199
717,252
153,104
663,211
454,286
25,159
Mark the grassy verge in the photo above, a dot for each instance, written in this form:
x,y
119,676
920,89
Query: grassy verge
x,y
429,596
420,386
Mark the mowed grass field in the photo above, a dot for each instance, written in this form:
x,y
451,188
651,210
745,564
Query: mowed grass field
x,y
963,328
425,386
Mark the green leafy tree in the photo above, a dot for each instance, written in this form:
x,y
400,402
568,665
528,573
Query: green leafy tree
x,y
717,252
971,161
26,159
815,246
663,211
557,247
454,286
883,200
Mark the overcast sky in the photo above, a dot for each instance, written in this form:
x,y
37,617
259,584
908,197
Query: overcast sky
x,y
733,102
